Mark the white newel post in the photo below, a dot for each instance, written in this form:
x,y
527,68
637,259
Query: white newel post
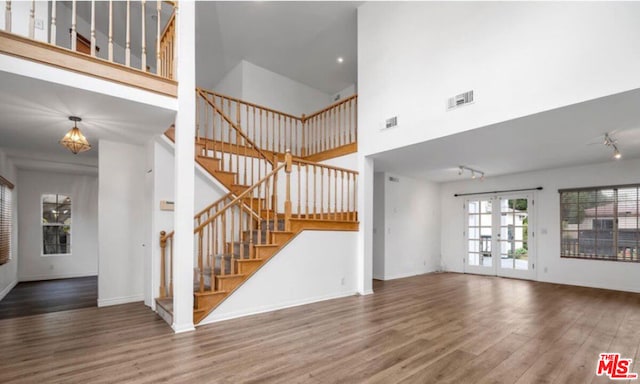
x,y
184,169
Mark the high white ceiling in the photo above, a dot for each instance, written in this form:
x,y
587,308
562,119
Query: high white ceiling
x,y
35,117
563,137
299,40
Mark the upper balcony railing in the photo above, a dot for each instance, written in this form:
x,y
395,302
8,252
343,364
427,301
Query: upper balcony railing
x,y
138,35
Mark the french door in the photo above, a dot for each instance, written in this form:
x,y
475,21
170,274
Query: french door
x,y
499,236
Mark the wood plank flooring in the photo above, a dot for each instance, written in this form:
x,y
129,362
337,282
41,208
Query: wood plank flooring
x,y
439,328
36,297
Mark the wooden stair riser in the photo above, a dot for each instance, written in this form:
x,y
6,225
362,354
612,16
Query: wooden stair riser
x,y
281,238
235,247
226,178
270,224
254,236
246,267
266,251
256,204
211,164
228,282
205,300
238,189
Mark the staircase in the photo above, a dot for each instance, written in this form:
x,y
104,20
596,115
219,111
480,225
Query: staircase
x,y
273,196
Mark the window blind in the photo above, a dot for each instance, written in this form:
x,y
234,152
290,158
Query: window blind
x,y
5,220
601,223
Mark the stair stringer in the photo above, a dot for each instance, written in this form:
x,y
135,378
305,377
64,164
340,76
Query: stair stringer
x,y
310,268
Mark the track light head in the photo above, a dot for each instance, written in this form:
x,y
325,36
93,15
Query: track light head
x,y
616,153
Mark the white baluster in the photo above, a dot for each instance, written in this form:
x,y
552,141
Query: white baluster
x,y
74,35
53,23
7,16
32,20
158,32
93,28
127,50
143,64
110,30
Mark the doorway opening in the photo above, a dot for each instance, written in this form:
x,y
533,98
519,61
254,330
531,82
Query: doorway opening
x,y
498,236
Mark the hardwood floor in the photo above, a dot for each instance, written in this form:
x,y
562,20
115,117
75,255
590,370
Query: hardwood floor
x,y
440,328
36,297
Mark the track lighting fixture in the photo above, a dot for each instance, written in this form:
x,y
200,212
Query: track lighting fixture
x,y
474,172
610,142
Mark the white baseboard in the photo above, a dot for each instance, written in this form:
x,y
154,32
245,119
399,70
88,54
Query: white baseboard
x,y
120,300
8,289
55,276
183,328
213,318
408,274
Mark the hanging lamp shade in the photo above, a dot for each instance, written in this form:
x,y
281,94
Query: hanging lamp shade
x,y
74,140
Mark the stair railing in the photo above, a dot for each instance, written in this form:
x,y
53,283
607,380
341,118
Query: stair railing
x,y
332,127
234,232
324,192
222,138
82,33
166,244
243,226
272,130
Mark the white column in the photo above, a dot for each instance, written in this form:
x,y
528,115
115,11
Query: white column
x,y
184,169
365,234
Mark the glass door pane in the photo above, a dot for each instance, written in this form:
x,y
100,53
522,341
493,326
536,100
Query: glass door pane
x,y
514,234
479,236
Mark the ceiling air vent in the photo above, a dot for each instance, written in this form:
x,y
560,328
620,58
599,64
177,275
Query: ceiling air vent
x,y
460,100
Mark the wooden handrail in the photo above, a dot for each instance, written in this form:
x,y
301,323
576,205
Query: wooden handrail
x,y
248,103
235,127
169,24
199,214
320,165
240,196
86,44
329,129
339,102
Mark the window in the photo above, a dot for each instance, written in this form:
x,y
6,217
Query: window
x,y
5,220
56,224
600,223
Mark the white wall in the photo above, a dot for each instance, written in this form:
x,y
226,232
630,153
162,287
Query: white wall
x,y
348,91
255,84
520,58
231,83
349,161
378,225
83,259
275,91
549,267
315,266
121,222
9,271
207,190
411,227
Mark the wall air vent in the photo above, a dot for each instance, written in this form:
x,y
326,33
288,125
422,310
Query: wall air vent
x,y
460,100
391,122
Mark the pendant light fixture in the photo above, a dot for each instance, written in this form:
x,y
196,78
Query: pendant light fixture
x,y
74,140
